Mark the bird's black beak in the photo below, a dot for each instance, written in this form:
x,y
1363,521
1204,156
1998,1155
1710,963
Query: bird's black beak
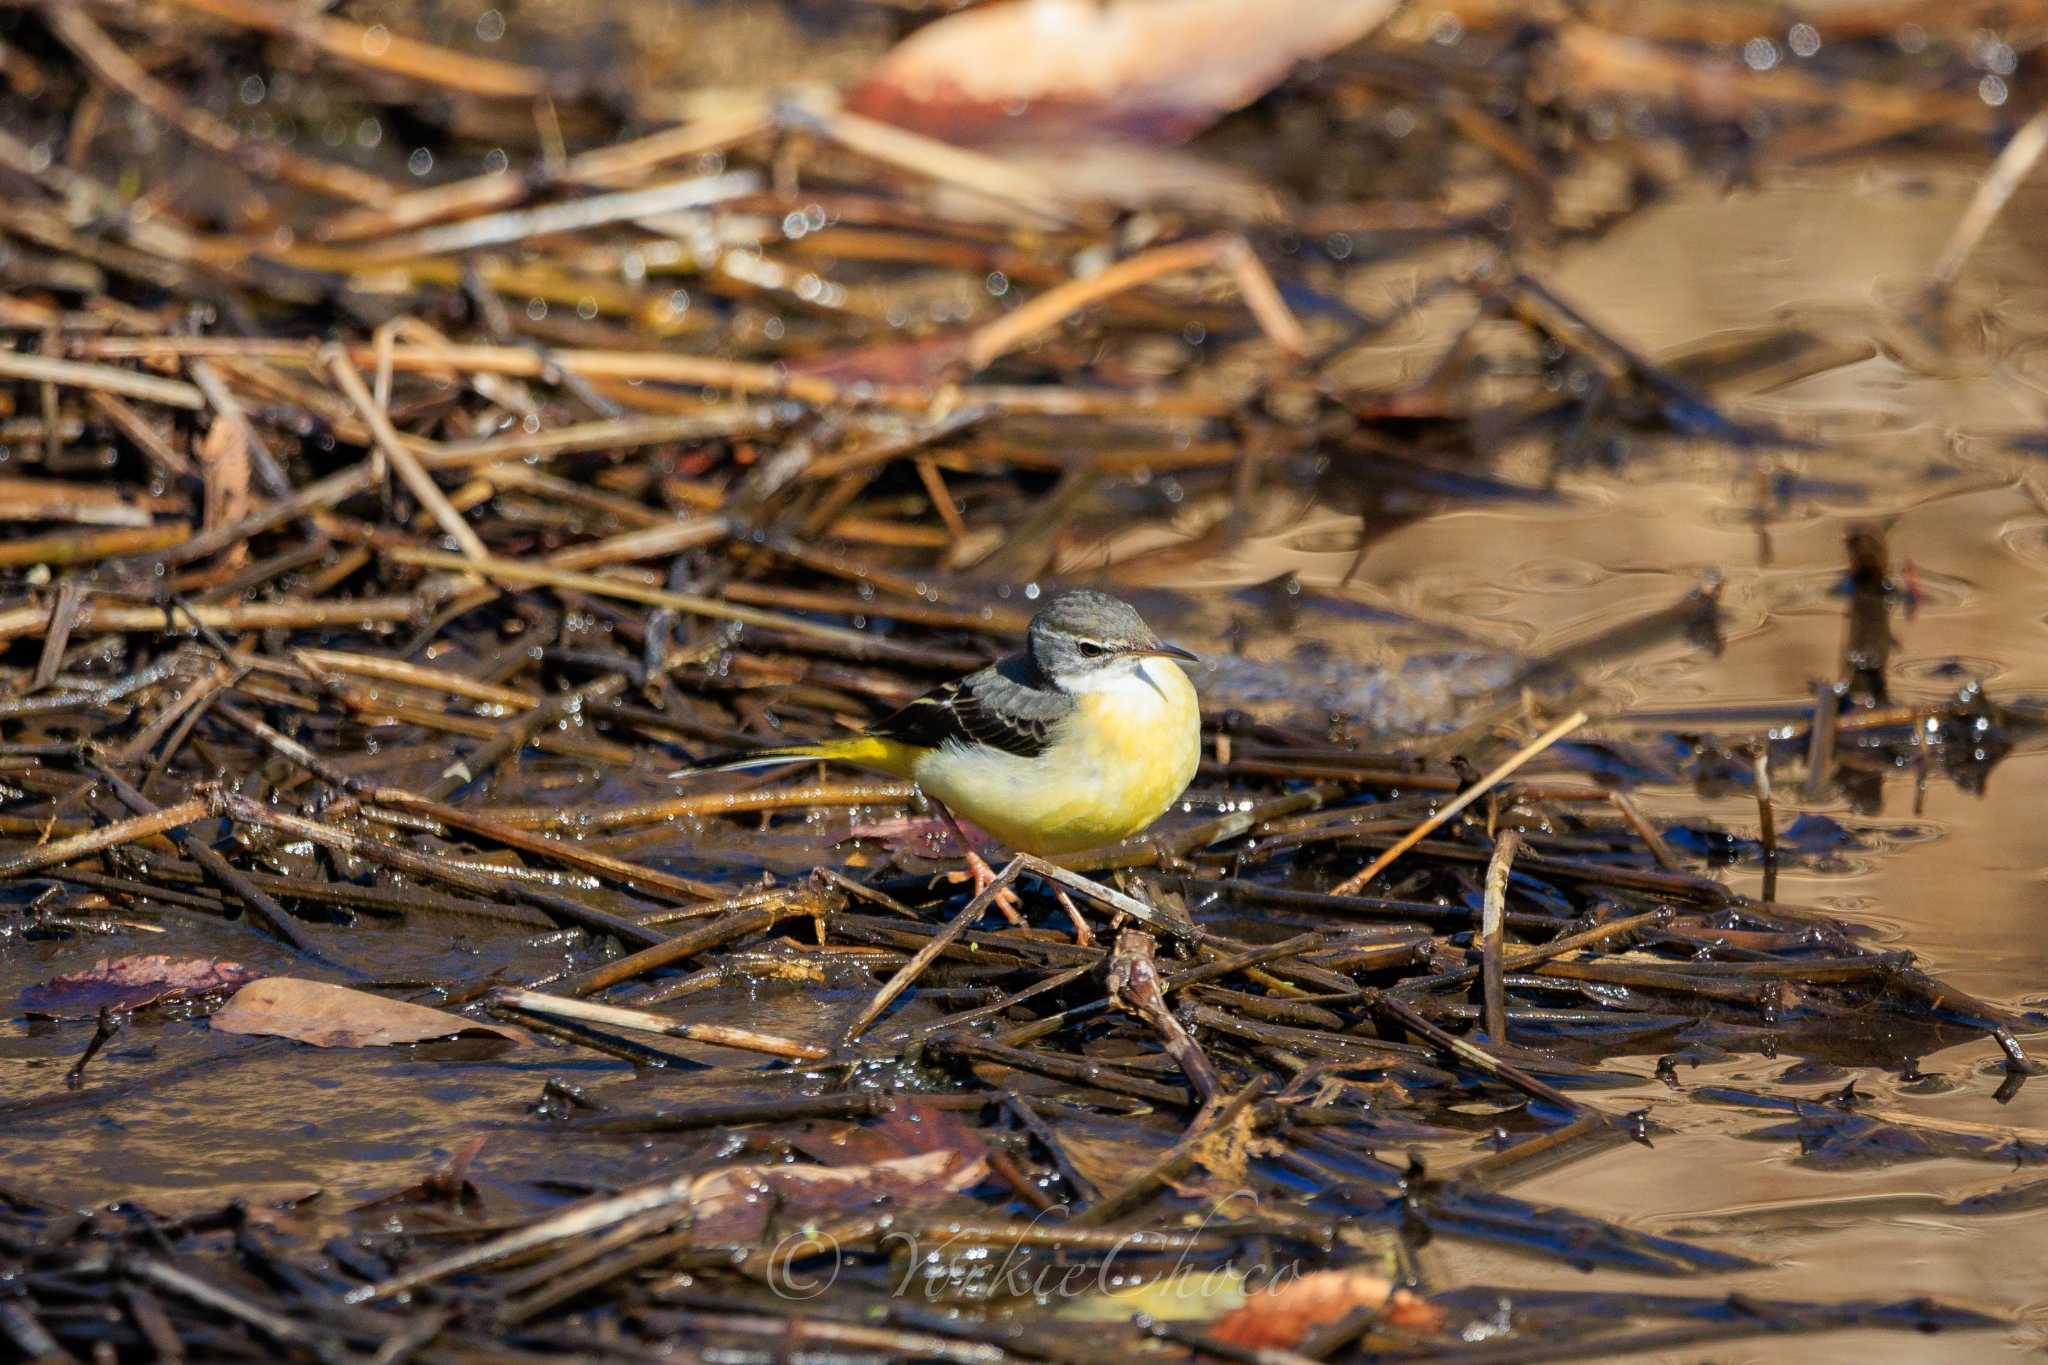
x,y
1166,651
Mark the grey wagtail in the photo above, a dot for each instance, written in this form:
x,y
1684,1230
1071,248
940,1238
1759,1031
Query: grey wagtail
x,y
1083,739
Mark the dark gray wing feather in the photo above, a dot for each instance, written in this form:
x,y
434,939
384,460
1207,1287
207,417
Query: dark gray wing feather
x,y
1008,706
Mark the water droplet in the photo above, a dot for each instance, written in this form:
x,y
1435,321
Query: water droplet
x,y
1760,54
253,90
1804,40
420,162
490,26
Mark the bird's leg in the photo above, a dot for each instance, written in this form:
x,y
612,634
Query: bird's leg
x,y
984,875
1082,936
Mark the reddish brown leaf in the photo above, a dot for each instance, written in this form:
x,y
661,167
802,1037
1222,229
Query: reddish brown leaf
x,y
735,1206
335,1016
926,360
129,983
1156,70
1284,1315
909,1129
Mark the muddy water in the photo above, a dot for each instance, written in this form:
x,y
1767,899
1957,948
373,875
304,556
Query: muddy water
x,y
1963,881
1923,437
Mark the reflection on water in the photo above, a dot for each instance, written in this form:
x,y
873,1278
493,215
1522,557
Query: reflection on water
x,y
1934,454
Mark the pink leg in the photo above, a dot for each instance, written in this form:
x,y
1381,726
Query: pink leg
x,y
984,875
1082,936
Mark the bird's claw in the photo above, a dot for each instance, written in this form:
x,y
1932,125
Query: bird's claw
x,y
984,877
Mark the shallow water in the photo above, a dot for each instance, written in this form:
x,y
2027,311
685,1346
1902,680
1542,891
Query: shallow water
x,y
1919,435
1932,454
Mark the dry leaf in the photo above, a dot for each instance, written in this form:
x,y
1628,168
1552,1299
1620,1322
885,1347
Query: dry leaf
x,y
224,464
1284,1315
335,1016
909,1129
269,1202
224,460
1107,1160
1223,1154
926,360
734,1206
129,983
1152,70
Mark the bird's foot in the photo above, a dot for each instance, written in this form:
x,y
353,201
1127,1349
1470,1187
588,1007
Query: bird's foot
x,y
984,877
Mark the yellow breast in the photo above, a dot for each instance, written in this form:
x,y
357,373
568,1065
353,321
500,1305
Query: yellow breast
x,y
1116,764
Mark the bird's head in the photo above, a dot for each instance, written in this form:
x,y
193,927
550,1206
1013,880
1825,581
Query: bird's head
x,y
1083,639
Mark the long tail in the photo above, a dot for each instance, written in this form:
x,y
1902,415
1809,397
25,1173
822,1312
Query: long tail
x,y
868,751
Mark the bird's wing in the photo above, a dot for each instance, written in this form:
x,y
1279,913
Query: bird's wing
x,y
1007,706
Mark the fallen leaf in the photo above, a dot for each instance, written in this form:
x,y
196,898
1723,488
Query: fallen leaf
x,y
268,1202
1222,1155
1107,1160
735,1206
129,983
1283,1316
924,360
909,1129
1151,70
335,1016
224,462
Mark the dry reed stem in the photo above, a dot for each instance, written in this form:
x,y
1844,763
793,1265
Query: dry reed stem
x,y
1353,884
110,617
416,478
380,49
1055,305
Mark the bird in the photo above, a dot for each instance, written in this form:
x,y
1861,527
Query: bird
x,y
1082,739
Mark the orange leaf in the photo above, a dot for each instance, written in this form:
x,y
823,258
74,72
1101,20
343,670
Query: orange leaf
x,y
1284,1316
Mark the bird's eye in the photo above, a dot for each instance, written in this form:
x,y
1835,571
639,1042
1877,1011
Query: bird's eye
x,y
1090,650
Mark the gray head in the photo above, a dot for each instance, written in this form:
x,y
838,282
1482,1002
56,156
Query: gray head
x,y
1082,637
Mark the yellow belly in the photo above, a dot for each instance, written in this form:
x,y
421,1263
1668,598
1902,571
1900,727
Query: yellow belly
x,y
1115,766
